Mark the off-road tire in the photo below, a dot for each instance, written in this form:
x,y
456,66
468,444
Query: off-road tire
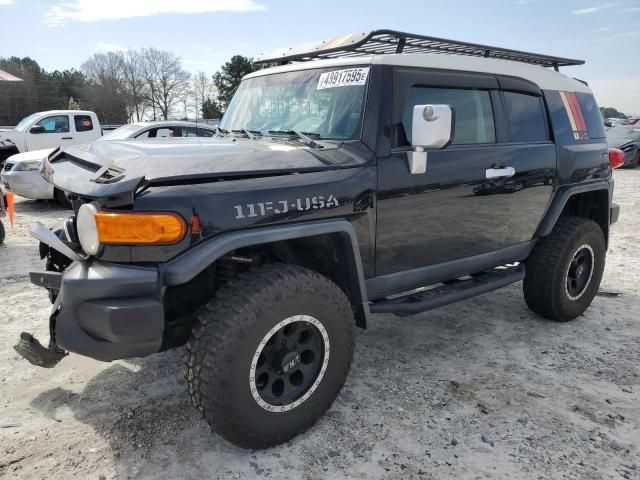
x,y
545,283
2,233
229,331
62,199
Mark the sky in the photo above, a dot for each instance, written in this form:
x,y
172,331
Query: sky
x,y
61,34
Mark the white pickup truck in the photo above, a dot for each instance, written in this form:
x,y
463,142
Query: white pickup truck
x,y
51,129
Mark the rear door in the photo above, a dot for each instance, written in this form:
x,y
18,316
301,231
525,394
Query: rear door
x,y
532,155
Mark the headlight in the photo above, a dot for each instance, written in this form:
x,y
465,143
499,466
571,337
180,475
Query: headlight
x,y
27,166
88,229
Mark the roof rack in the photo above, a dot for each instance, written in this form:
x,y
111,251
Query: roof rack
x,y
379,42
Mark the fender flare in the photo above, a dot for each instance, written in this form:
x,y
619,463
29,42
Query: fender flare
x,y
190,263
561,198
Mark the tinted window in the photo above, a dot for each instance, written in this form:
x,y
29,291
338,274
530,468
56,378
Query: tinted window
x,y
205,132
189,132
473,113
591,114
83,123
57,124
526,117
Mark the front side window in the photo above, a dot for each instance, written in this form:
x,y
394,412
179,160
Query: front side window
x,y
526,117
57,124
205,132
472,108
325,102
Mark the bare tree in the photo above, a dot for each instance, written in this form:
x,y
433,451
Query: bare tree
x,y
203,90
132,68
166,79
106,92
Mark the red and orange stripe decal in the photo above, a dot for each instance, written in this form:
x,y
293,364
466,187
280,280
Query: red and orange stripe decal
x,y
578,125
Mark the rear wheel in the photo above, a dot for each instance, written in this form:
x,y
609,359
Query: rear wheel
x,y
636,160
270,354
1,232
564,270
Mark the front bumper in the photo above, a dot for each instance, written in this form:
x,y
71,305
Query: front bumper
x,y
28,184
108,311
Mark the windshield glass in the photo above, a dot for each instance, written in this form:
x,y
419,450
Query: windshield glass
x,y
120,133
23,123
326,102
629,131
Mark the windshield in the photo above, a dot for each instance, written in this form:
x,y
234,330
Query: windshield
x,y
629,131
120,133
325,102
23,123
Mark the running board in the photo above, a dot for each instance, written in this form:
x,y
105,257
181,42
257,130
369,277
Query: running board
x,y
450,292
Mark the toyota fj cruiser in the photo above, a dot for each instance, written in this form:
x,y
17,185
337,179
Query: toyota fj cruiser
x,y
377,172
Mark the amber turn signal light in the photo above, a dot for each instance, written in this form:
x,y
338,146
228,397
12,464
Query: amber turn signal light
x,y
140,228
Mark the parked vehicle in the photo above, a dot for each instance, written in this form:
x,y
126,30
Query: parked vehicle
x,y
343,185
627,139
50,129
160,130
21,172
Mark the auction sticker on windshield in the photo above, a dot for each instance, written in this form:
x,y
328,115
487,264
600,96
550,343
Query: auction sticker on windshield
x,y
343,78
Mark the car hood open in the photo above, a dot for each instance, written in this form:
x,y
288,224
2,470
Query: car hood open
x,y
103,169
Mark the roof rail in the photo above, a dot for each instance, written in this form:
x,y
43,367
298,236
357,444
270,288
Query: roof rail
x,y
379,42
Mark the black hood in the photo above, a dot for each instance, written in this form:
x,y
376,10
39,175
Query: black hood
x,y
108,168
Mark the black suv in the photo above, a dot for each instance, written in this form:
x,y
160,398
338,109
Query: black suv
x,y
355,180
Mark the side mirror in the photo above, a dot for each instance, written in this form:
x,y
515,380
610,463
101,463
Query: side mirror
x,y
432,128
37,129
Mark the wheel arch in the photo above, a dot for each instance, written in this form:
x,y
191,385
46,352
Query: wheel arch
x,y
328,247
592,201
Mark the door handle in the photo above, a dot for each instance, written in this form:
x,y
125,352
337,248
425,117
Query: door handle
x,y
500,172
67,138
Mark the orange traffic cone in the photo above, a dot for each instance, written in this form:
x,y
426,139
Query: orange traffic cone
x,y
10,207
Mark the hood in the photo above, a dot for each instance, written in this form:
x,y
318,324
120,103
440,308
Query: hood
x,y
29,156
102,169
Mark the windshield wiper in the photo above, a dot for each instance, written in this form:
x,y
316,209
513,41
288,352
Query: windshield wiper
x,y
251,134
305,137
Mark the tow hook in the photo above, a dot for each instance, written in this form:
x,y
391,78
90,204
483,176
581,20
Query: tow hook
x,y
32,350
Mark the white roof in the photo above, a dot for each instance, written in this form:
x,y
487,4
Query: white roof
x,y
544,78
64,112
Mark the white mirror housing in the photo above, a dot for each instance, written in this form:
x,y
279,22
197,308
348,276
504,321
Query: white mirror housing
x,y
431,128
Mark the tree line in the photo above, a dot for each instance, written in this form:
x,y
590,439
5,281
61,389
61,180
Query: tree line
x,y
121,87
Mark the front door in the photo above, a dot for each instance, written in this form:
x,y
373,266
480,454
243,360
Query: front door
x,y
461,206
57,133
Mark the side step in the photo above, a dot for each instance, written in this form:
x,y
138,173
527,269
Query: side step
x,y
32,350
450,292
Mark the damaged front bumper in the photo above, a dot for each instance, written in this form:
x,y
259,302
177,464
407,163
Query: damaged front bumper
x,y
102,310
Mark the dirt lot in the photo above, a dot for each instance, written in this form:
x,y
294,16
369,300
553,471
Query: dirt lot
x,y
480,389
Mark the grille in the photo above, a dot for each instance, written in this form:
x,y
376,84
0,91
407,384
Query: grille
x,y
8,166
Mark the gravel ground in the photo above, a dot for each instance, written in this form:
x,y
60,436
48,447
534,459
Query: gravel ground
x,y
479,389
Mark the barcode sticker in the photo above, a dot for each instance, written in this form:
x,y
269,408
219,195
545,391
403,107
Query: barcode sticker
x,y
343,78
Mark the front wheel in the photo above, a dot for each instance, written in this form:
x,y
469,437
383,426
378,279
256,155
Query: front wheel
x,y
270,354
564,270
